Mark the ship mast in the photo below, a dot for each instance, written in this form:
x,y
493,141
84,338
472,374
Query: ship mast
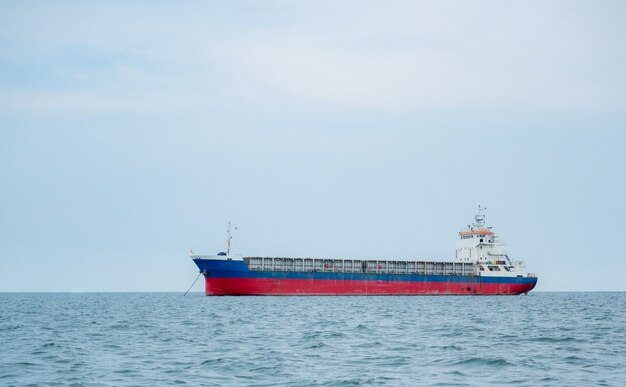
x,y
228,240
480,218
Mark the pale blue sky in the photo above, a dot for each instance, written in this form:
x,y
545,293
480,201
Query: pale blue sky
x,y
130,133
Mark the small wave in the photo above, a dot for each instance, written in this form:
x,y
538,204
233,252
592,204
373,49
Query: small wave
x,y
545,339
24,364
574,360
119,326
452,347
349,382
212,361
310,335
10,328
369,344
496,362
124,371
395,361
548,379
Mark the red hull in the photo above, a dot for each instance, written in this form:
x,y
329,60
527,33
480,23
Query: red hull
x,y
308,287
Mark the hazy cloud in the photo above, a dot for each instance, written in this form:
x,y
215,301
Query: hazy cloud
x,y
402,56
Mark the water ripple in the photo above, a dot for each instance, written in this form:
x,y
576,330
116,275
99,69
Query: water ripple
x,y
164,338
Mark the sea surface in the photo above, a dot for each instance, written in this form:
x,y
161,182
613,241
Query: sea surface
x,y
165,338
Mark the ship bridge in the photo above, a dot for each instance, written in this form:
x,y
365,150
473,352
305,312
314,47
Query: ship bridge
x,y
480,245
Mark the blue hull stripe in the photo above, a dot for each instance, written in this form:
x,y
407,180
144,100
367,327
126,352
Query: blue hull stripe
x,y
238,269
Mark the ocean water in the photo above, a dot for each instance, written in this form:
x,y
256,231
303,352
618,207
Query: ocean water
x,y
165,338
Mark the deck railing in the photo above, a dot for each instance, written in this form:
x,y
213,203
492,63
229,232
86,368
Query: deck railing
x,y
359,266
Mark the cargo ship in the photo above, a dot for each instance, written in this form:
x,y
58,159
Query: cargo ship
x,y
481,267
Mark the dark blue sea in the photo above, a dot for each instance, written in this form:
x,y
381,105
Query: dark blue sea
x,y
164,338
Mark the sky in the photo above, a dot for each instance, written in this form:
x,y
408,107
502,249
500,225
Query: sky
x,y
132,132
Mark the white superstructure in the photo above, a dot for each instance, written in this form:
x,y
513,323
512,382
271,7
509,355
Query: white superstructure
x,y
480,245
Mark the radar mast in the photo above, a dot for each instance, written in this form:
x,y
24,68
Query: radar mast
x,y
228,240
480,218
